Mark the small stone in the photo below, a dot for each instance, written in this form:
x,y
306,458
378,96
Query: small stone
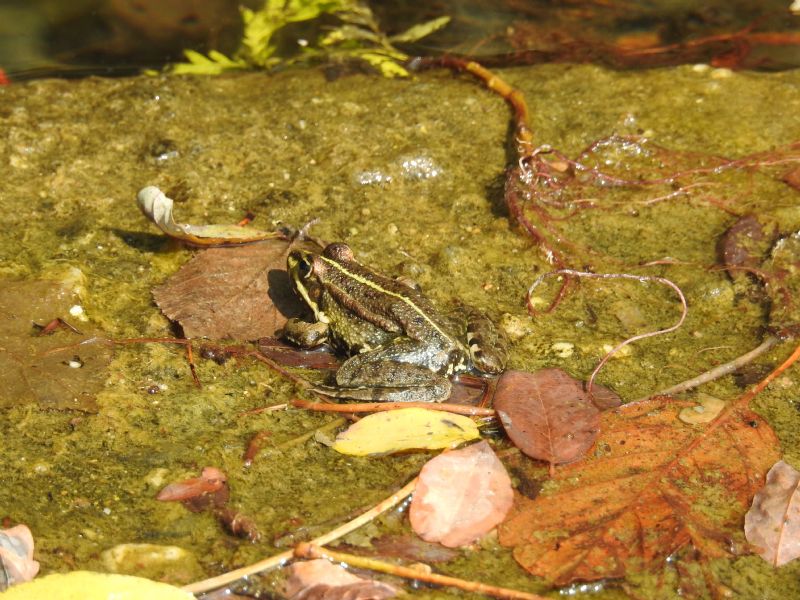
x,y
563,349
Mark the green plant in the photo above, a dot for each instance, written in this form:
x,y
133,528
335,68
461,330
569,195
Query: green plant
x,y
357,36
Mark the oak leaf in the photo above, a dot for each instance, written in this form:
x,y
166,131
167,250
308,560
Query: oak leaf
x,y
772,524
461,496
547,414
31,370
241,293
653,486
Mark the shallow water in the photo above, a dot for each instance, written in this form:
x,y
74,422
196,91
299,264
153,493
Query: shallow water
x,y
409,173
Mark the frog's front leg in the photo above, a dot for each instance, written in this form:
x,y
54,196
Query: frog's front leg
x,y
305,334
393,373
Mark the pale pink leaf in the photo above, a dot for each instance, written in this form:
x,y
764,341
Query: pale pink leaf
x,y
16,556
319,578
772,524
461,496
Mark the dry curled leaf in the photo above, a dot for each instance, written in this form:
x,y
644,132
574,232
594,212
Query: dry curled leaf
x,y
547,414
198,493
772,524
405,429
461,496
653,486
155,205
241,293
319,579
30,369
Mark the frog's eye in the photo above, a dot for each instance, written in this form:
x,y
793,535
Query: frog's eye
x,y
304,267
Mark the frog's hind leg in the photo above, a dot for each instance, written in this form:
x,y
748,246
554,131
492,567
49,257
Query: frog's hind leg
x,y
392,373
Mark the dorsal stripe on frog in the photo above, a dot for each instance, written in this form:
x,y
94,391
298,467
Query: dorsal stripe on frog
x,y
383,290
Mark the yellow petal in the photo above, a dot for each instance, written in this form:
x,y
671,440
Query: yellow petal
x,y
405,429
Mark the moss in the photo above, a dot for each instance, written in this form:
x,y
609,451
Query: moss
x,y
407,173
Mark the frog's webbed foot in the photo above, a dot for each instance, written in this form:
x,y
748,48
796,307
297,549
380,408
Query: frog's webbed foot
x,y
304,334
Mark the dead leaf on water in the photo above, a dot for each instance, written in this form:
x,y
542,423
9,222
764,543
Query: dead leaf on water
x,y
772,524
405,429
320,579
653,486
547,414
240,293
461,496
60,380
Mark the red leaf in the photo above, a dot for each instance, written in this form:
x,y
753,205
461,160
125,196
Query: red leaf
x,y
461,495
547,414
211,480
773,522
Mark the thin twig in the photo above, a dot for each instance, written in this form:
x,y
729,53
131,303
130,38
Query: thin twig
x,y
718,371
277,560
312,550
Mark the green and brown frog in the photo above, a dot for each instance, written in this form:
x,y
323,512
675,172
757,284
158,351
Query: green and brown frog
x,y
401,348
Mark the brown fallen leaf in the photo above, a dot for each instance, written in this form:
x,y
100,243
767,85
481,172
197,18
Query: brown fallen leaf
x,y
461,496
653,486
772,524
29,372
240,293
547,414
238,524
744,244
319,578
16,556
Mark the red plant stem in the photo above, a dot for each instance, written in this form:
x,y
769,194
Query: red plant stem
x,y
461,409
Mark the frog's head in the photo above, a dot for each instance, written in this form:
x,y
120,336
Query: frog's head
x,y
304,269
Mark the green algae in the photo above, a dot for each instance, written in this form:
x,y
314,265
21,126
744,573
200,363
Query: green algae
x,y
409,173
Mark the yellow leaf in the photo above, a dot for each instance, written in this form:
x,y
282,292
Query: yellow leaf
x,y
85,585
405,429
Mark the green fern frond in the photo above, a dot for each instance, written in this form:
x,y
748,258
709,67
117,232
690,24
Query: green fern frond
x,y
358,37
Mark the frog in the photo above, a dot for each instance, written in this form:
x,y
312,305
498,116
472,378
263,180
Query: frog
x,y
400,348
